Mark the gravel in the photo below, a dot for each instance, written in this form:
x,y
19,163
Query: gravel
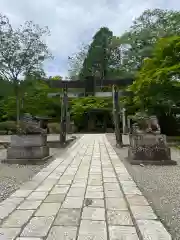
x,y
160,185
13,175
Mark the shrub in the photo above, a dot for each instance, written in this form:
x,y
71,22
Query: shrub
x,y
54,127
8,126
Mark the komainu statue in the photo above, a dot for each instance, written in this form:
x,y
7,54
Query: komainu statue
x,y
29,126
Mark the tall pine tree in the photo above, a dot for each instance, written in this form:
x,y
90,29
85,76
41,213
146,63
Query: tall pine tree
x,y
97,59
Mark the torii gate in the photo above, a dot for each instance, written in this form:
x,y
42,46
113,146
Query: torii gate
x,y
89,85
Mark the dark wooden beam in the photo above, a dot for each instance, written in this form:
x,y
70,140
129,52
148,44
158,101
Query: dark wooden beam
x,y
81,83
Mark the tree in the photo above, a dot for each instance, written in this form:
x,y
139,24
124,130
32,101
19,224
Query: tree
x,y
96,61
144,34
59,78
34,100
22,51
116,67
76,62
157,84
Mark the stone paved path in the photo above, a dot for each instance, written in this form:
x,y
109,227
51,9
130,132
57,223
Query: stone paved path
x,y
86,195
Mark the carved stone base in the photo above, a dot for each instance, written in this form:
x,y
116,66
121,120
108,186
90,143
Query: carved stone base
x,y
149,149
27,148
28,140
158,156
22,161
27,152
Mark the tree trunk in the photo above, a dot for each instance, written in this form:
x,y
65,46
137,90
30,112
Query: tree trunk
x,y
63,116
116,116
17,110
17,102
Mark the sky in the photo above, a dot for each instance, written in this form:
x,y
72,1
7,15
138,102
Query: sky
x,y
74,22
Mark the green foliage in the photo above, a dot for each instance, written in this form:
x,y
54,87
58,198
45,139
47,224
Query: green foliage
x,y
144,34
6,88
102,58
56,78
157,82
149,52
76,62
22,52
34,100
8,126
81,106
96,61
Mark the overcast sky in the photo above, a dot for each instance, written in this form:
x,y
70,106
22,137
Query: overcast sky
x,y
74,22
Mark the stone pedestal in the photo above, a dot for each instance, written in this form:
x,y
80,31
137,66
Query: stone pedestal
x,y
149,148
27,149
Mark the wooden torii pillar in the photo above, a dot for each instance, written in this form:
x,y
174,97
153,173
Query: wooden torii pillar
x,y
89,85
116,116
63,124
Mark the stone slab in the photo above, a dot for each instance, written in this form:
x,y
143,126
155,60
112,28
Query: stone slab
x,y
45,187
90,194
92,230
137,200
59,198
143,212
116,204
48,209
18,218
110,180
37,196
95,182
65,180
110,186
21,193
132,190
73,202
108,175
6,209
60,189
63,233
24,238
76,192
153,230
78,184
97,214
124,177
28,205
12,200
95,177
95,188
94,202
122,233
116,217
113,194
30,185
68,217
37,227
9,233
